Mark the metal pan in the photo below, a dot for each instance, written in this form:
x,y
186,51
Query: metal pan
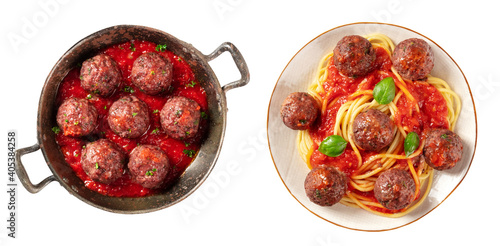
x,y
201,166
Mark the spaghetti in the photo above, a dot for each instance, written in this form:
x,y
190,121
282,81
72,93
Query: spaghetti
x,y
417,106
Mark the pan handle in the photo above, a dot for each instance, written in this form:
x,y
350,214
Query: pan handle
x,y
23,175
238,60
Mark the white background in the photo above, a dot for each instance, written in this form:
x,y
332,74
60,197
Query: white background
x,y
252,207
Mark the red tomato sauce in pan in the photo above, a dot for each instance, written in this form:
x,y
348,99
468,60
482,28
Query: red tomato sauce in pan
x,y
433,114
179,152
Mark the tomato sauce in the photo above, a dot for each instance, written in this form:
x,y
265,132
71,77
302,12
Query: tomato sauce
x,y
433,109
179,152
339,89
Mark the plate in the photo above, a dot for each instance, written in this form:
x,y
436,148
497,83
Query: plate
x,y
297,76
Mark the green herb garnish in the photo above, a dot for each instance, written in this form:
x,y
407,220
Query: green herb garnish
x,y
191,84
411,143
56,130
155,131
189,152
333,146
161,47
128,89
151,172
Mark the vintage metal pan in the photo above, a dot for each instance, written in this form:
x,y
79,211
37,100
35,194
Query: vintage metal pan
x,y
201,166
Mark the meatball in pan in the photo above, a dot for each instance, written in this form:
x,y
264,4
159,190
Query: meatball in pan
x,y
129,117
76,117
152,73
103,161
148,166
180,117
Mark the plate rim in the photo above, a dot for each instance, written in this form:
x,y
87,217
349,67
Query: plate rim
x,y
473,107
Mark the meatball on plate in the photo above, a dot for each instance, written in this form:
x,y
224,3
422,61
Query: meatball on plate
x,y
354,56
299,111
340,71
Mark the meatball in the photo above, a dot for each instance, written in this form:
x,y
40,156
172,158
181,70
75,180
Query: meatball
x,y
76,117
152,73
299,111
354,56
129,117
413,59
180,117
148,166
325,185
103,161
442,149
100,75
373,130
395,189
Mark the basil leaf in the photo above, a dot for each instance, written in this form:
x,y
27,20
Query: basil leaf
x,y
412,141
384,91
333,146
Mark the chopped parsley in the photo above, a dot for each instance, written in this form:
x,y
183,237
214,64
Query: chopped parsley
x,y
128,89
189,152
191,84
132,47
161,47
318,193
151,172
56,130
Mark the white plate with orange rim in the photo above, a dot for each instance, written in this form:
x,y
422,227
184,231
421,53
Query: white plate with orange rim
x,y
297,76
